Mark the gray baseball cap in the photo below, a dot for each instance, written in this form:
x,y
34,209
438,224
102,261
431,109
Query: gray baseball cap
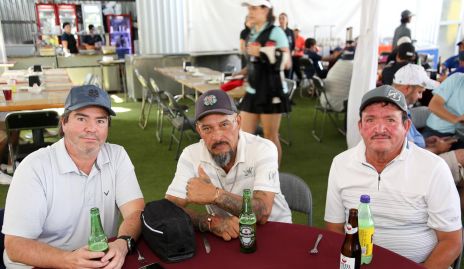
x,y
88,95
406,13
214,102
384,93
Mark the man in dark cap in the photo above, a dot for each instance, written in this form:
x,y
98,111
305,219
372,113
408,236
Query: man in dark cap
x,y
452,62
406,54
413,198
403,29
215,171
47,214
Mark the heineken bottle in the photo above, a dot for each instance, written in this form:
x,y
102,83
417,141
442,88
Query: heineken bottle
x,y
97,239
247,225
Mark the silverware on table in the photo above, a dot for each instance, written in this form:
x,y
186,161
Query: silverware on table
x,y
314,249
206,243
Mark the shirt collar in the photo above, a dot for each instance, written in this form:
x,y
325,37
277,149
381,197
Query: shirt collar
x,y
67,165
205,155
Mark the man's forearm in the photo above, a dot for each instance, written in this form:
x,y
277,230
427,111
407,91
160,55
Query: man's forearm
x,y
232,203
34,253
131,225
443,255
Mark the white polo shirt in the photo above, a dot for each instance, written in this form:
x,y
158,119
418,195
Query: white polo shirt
x,y
255,168
49,199
413,196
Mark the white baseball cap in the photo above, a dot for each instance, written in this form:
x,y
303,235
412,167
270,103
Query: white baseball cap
x,y
257,3
413,74
403,39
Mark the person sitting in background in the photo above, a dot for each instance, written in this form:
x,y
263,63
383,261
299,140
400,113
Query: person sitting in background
x,y
92,40
394,53
452,62
460,67
47,212
412,80
338,81
67,40
447,107
406,54
403,29
413,197
215,171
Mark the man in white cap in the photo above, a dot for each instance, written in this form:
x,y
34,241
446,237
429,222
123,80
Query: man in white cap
x,y
412,80
403,29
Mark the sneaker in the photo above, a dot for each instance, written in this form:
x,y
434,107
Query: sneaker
x,y
5,179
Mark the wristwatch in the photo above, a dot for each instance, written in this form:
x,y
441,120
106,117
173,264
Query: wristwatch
x,y
130,242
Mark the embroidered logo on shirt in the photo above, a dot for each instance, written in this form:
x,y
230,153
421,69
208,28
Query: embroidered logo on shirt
x,y
210,100
106,192
248,172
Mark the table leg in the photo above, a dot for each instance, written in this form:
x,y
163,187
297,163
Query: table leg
x,y
122,71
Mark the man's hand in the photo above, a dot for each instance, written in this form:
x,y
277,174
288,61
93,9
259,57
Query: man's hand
x,y
225,227
440,145
460,119
83,258
116,254
200,190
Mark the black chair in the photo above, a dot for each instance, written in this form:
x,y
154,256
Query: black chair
x,y
36,121
327,112
291,86
306,83
297,194
179,120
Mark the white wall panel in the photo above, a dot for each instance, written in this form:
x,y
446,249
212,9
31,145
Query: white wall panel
x,y
161,26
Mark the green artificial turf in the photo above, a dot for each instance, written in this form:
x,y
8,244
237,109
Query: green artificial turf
x,y
155,164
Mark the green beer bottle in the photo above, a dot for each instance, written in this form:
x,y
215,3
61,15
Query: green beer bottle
x,y
247,225
97,239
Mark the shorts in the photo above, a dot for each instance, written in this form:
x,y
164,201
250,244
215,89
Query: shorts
x,y
248,104
455,167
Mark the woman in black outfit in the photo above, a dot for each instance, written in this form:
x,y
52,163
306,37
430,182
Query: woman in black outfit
x,y
67,39
266,93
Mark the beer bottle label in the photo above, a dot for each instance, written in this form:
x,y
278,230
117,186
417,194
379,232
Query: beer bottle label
x,y
350,230
365,240
346,262
247,235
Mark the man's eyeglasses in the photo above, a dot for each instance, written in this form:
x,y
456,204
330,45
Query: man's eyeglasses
x,y
226,125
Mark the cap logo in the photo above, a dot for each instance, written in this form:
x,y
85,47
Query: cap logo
x,y
210,100
93,93
394,95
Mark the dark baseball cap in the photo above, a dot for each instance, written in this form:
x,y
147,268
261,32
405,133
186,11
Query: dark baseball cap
x,y
384,93
406,51
460,42
88,95
406,13
214,102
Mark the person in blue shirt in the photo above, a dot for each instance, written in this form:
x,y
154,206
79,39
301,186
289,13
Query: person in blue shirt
x,y
453,61
92,40
460,68
412,80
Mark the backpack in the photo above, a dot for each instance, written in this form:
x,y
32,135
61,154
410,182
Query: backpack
x,y
168,231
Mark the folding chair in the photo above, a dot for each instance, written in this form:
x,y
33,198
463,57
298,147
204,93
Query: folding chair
x,y
162,109
36,121
307,82
291,86
147,100
297,194
326,110
179,120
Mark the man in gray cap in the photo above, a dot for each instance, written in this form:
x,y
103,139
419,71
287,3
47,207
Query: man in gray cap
x,y
402,30
414,202
215,171
47,214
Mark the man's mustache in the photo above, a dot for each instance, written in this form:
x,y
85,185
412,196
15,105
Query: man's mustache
x,y
220,143
381,136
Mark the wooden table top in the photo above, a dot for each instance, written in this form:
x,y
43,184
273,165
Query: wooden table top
x,y
203,80
56,85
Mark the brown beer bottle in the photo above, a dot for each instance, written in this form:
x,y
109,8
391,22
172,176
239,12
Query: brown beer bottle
x,y
350,257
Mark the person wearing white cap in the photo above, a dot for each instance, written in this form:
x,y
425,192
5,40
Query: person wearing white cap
x,y
267,52
403,29
412,80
